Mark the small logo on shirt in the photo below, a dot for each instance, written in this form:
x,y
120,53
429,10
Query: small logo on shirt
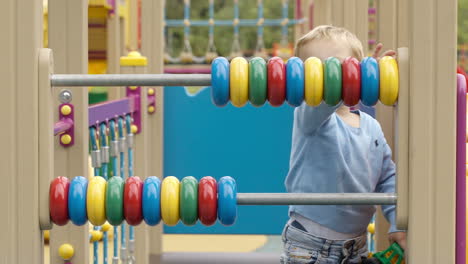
x,y
376,143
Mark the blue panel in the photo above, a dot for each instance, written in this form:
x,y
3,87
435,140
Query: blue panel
x,y
250,144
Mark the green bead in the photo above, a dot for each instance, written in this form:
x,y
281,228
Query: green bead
x,y
114,200
257,81
189,200
333,83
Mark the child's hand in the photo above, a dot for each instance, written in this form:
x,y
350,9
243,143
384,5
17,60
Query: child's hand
x,y
378,49
398,237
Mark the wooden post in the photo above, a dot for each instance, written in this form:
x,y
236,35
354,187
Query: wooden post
x,y
133,24
68,39
21,239
113,48
152,40
432,31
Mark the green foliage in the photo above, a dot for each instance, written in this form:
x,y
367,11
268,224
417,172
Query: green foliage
x,y
223,35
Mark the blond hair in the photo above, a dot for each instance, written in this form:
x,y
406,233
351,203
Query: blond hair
x,y
334,33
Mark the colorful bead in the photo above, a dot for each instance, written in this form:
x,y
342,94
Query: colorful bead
x,y
257,81
96,201
133,191
58,200
207,200
351,81
276,81
77,200
313,71
227,201
170,189
66,251
332,91
151,201
239,81
189,200
295,81
220,81
370,81
388,80
115,200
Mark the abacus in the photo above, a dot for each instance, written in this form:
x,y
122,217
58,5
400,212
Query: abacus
x,y
258,81
172,200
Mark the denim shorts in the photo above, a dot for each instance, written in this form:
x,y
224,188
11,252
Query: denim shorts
x,y
300,247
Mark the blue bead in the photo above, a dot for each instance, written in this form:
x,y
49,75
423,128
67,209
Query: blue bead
x,y
220,81
369,81
77,200
151,201
295,81
227,200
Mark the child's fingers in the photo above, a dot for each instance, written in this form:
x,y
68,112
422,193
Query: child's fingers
x,y
389,53
377,50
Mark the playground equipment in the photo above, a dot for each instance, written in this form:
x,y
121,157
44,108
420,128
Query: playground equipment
x,y
425,202
187,57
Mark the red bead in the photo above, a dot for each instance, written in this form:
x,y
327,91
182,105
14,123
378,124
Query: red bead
x,y
207,200
58,200
351,81
133,191
276,81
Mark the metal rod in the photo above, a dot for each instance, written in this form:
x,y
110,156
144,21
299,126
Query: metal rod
x,y
316,198
130,80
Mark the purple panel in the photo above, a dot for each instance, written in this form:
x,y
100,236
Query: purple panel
x,y
104,112
461,172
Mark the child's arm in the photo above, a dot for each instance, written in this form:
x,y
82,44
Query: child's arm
x,y
308,119
386,184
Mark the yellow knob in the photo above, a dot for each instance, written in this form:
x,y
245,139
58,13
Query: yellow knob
x,y
150,91
96,235
371,228
66,251
66,139
65,110
150,109
46,235
134,129
105,227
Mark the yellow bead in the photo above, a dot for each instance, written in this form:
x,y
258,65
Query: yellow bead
x,y
371,228
96,235
239,81
150,109
389,80
133,87
134,129
313,86
65,110
170,200
105,227
66,139
96,200
66,251
46,235
150,91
